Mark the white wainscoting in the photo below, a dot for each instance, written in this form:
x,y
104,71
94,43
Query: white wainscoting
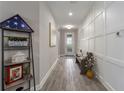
x,y
101,38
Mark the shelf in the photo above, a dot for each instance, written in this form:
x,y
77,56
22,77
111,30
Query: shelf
x,y
16,48
10,63
6,47
17,36
17,82
17,30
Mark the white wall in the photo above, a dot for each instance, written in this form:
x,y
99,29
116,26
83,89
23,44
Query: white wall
x,y
98,35
48,55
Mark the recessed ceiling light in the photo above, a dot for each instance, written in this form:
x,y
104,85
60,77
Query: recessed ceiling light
x,y
70,13
69,26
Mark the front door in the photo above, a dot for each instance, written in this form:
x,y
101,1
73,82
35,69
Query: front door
x,y
69,43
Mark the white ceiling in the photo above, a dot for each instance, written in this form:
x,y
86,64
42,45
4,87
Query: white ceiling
x,y
60,10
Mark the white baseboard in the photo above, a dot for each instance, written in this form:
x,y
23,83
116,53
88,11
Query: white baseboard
x,y
39,86
105,84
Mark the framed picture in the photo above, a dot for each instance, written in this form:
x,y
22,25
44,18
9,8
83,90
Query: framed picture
x,y
13,73
52,35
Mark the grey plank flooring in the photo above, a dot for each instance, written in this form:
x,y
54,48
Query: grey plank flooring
x,y
66,77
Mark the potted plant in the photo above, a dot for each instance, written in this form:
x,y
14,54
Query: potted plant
x,y
89,64
83,66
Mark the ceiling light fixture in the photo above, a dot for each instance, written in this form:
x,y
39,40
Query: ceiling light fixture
x,y
70,14
69,26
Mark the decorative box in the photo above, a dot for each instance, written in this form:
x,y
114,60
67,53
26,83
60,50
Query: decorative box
x,y
13,73
19,57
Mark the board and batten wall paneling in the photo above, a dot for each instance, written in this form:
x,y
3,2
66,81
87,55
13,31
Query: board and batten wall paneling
x,y
99,28
99,25
91,45
115,17
100,45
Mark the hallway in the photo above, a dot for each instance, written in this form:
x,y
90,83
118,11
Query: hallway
x,y
66,77
35,35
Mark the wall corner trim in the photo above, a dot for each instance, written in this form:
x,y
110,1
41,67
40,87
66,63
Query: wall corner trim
x,y
40,85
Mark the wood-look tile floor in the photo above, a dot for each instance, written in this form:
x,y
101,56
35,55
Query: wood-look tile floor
x,y
66,77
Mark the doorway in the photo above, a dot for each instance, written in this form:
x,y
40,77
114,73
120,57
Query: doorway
x,y
69,43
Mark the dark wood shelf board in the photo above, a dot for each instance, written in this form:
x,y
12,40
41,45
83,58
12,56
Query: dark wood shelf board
x,y
17,83
16,48
17,36
10,63
16,30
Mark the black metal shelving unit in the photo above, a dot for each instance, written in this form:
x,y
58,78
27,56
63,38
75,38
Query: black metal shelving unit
x,y
18,29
